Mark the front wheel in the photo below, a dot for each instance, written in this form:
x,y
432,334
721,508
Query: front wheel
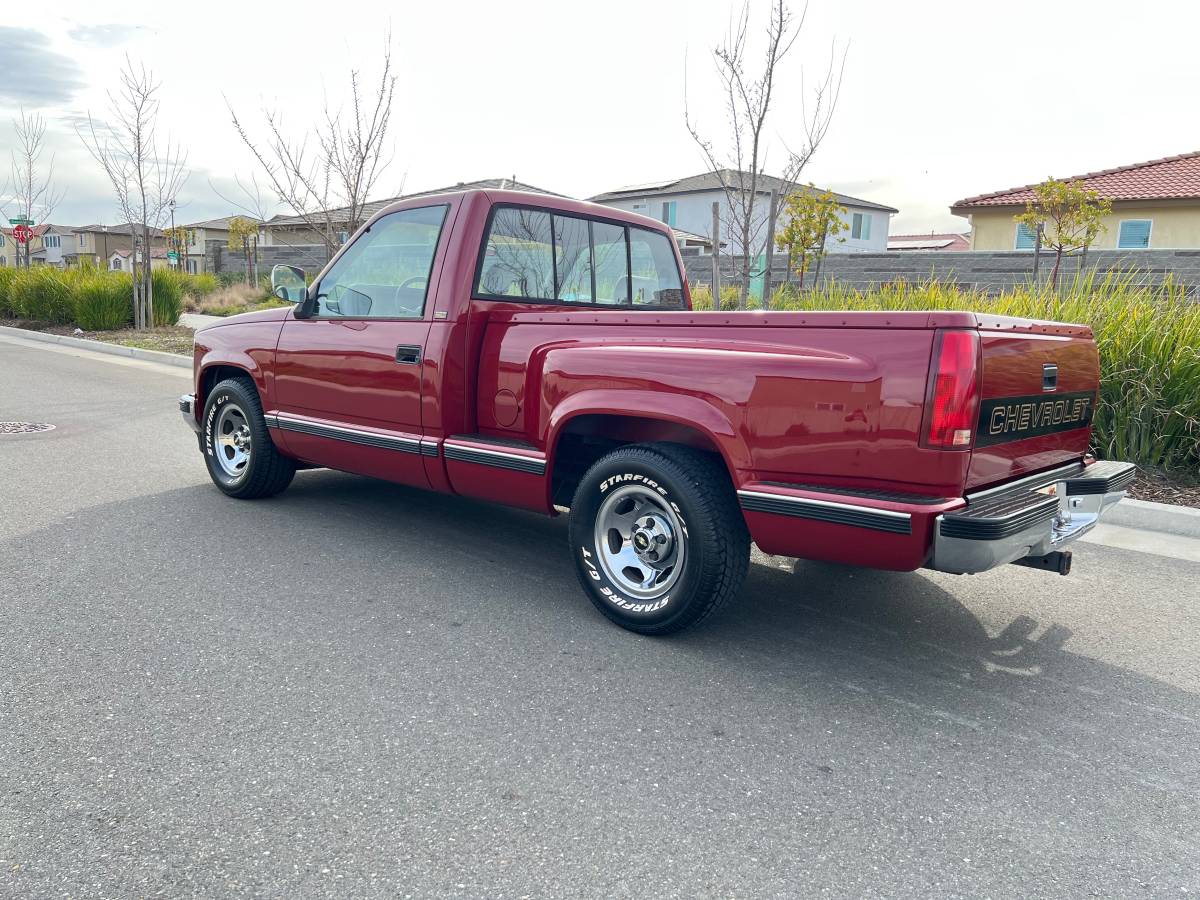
x,y
241,457
658,539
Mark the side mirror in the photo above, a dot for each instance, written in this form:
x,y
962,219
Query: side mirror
x,y
287,283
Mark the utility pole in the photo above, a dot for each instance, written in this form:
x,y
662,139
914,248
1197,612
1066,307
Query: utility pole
x,y
174,237
772,212
716,256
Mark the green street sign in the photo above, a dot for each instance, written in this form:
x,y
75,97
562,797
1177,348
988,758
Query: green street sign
x,y
20,221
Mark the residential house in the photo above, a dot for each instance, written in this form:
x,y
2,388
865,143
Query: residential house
x,y
294,231
54,246
122,260
94,244
1155,205
200,235
951,242
686,203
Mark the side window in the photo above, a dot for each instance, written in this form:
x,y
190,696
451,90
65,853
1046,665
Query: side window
x,y
573,259
860,227
610,257
1133,234
518,260
654,274
1026,237
534,255
385,273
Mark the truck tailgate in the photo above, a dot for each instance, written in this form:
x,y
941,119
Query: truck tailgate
x,y
1039,392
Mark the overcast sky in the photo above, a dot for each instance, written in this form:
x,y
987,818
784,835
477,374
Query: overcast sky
x,y
941,100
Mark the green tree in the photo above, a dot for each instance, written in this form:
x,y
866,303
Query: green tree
x,y
177,239
813,217
1069,215
243,235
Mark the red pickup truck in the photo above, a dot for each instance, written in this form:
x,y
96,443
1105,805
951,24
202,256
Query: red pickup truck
x,y
541,352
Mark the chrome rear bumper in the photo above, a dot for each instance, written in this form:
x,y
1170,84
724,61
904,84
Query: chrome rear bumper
x,y
1036,518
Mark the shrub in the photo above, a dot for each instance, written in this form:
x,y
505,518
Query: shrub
x,y
41,293
167,296
6,279
702,299
104,301
195,287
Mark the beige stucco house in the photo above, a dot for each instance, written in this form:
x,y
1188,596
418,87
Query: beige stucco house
x,y
1155,206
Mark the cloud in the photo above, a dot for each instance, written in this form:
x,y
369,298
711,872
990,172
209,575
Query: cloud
x,y
34,75
109,35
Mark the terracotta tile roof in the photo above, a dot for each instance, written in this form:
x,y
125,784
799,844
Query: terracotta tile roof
x,y
1170,178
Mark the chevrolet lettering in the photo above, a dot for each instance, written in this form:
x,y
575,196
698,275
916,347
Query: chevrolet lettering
x,y
1018,418
542,353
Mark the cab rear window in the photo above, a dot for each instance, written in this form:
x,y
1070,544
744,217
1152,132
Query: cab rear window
x,y
533,254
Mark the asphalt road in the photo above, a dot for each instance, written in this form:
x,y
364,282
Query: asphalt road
x,y
362,690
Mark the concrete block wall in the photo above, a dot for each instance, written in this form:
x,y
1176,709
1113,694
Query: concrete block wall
x,y
988,271
310,257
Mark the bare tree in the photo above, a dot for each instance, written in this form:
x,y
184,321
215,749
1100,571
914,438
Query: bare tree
x,y
249,199
739,161
145,176
339,167
32,196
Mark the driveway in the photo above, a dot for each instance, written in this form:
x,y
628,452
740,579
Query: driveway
x,y
357,689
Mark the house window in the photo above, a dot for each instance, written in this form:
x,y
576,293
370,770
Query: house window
x,y
82,241
860,227
1026,238
51,240
1134,234
668,212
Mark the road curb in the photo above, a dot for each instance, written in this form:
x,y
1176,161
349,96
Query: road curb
x,y
168,359
1145,515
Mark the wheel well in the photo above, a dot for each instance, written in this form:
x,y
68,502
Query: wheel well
x,y
216,374
585,439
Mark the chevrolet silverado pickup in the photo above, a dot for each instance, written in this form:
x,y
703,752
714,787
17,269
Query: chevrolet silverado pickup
x,y
540,352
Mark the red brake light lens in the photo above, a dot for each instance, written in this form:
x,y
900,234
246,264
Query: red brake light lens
x,y
954,398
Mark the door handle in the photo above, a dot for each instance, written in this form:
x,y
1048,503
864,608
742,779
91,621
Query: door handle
x,y
408,354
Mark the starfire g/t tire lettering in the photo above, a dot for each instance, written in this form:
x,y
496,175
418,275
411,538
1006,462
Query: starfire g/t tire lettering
x,y
241,457
657,536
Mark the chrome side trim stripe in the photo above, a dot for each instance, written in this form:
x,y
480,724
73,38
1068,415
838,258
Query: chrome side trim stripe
x,y
429,447
399,442
500,459
271,419
833,512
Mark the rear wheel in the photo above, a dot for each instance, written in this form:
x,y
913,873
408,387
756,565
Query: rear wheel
x,y
241,457
658,539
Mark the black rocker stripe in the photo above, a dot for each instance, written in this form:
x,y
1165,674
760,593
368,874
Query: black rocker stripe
x,y
827,511
495,458
349,435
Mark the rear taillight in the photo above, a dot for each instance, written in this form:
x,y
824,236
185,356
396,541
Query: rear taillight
x,y
954,393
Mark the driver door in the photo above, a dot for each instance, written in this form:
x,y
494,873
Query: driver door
x,y
348,380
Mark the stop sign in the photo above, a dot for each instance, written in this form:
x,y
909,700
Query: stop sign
x,y
22,234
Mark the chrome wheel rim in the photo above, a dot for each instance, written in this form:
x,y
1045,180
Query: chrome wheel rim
x,y
231,440
640,542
